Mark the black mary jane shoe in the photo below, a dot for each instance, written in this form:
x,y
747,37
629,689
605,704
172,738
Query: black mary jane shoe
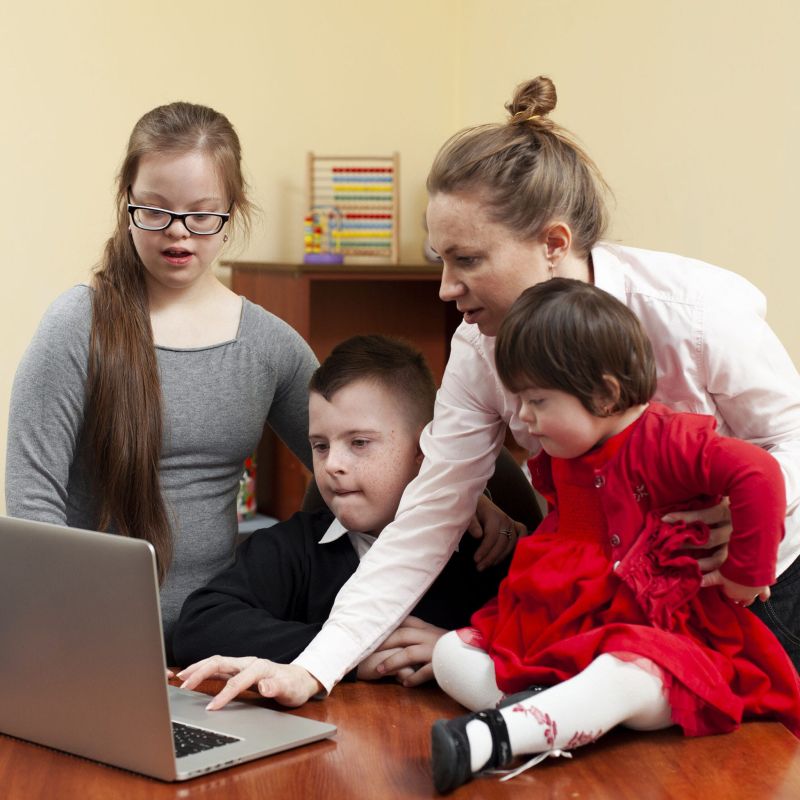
x,y
450,752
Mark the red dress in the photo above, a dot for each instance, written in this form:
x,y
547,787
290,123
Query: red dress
x,y
565,601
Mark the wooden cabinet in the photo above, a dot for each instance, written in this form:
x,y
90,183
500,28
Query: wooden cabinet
x,y
327,303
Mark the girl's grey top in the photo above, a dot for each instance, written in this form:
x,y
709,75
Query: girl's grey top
x,y
215,402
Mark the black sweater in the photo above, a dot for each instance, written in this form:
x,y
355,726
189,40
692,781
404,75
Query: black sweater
x,y
274,599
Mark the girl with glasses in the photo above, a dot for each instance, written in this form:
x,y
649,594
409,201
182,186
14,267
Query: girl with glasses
x,y
142,394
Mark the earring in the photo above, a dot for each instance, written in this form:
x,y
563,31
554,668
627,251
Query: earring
x,y
551,268
225,238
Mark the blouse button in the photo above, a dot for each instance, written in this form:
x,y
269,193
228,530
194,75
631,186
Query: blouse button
x,y
599,481
615,540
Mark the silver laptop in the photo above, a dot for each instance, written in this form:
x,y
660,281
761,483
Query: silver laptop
x,y
82,662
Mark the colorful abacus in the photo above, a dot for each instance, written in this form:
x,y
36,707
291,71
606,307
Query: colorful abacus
x,y
362,193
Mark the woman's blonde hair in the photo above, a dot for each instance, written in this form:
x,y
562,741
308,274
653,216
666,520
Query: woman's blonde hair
x,y
123,415
529,170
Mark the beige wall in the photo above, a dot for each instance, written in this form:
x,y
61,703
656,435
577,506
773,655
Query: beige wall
x,y
75,77
688,107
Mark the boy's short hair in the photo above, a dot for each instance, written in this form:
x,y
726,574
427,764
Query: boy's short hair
x,y
567,334
389,362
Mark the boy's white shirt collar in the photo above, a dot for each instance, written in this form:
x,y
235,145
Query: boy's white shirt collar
x,y
361,541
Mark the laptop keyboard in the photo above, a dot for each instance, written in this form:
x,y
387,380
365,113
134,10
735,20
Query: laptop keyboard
x,y
189,740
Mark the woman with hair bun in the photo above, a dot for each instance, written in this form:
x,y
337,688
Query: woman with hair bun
x,y
141,395
512,205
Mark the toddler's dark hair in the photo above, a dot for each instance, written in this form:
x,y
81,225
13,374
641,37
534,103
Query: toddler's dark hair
x,y
569,335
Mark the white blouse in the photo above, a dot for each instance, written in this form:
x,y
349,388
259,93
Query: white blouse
x,y
715,354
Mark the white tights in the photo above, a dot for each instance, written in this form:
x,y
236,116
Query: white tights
x,y
609,692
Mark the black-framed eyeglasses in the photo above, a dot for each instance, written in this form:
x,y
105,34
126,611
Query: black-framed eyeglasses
x,y
200,223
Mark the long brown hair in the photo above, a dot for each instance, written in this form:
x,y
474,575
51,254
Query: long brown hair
x,y
123,420
529,169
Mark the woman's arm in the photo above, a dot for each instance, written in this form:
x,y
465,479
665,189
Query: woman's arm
x,y
46,411
757,391
460,447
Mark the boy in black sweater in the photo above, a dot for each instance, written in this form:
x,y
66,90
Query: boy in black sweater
x,y
368,403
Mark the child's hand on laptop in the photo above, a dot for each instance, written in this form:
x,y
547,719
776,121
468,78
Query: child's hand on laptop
x,y
406,654
287,684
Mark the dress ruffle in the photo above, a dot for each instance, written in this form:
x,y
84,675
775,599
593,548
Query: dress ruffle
x,y
661,570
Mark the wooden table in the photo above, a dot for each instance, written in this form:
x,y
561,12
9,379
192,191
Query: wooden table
x,y
381,751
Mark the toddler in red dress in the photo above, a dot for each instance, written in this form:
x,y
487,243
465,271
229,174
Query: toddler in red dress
x,y
604,610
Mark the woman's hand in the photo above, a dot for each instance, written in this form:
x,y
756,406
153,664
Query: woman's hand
x,y
740,594
712,554
288,684
498,530
406,654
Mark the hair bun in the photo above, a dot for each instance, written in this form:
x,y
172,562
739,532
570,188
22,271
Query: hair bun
x,y
536,97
